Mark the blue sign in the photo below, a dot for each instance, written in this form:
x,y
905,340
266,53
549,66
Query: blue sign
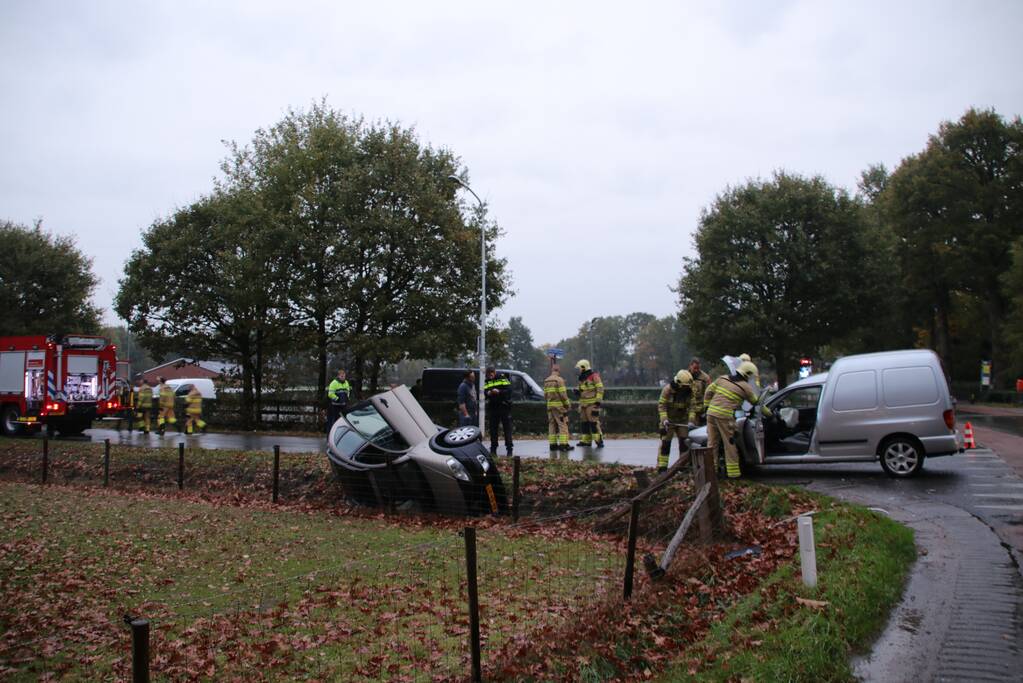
x,y
555,353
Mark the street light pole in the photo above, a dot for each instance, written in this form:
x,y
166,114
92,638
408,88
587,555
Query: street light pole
x,y
483,306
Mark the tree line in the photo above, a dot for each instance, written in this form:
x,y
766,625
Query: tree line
x,y
927,255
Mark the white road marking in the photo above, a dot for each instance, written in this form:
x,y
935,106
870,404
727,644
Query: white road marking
x,y
1008,483
1018,508
999,495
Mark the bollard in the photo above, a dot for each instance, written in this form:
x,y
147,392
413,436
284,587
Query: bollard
x,y
516,463
181,465
277,470
630,557
106,462
140,650
474,602
46,457
807,552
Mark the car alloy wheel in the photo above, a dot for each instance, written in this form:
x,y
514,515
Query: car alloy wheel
x,y
901,458
461,435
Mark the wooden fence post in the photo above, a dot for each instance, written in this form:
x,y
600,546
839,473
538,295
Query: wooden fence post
x,y
474,602
181,465
630,557
140,650
46,457
277,471
106,462
516,462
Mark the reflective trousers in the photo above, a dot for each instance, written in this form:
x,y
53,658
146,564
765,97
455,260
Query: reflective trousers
x,y
681,432
557,426
722,430
589,424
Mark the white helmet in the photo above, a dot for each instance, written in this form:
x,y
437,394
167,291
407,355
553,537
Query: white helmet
x,y
583,365
745,357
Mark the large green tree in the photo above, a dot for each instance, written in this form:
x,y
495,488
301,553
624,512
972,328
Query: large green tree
x,y
784,266
956,207
47,283
384,257
212,281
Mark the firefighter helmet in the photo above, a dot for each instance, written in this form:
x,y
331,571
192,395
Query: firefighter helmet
x,y
747,369
745,357
583,365
684,378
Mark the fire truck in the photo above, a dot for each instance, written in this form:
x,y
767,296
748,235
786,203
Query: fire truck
x,y
57,382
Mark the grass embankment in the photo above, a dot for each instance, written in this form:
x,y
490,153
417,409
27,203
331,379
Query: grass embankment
x,y
862,562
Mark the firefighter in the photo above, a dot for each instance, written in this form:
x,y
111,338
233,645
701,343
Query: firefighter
x,y
701,380
145,406
498,392
591,393
193,411
675,411
558,405
166,397
723,397
338,392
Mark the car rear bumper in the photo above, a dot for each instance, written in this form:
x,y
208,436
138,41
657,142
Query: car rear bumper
x,y
947,444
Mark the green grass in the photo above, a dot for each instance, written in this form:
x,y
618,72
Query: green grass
x,y
281,592
862,562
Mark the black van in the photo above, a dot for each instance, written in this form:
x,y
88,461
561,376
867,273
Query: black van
x,y
441,384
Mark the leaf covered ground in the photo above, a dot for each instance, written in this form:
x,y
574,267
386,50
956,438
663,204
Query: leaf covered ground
x,y
317,588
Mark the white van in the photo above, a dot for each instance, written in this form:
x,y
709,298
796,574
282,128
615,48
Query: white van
x,y
893,406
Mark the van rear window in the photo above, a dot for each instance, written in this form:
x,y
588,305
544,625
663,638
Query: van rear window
x,y
856,391
909,387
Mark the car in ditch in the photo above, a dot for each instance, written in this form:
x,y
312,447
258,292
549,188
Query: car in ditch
x,y
894,407
386,450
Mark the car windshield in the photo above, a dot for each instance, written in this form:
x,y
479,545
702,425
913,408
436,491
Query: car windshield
x,y
372,426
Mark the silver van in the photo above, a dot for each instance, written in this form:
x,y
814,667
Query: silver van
x,y
893,406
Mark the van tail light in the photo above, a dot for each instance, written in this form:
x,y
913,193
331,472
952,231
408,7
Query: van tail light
x,y
950,418
53,408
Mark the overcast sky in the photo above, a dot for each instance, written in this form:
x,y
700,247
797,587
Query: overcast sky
x,y
593,128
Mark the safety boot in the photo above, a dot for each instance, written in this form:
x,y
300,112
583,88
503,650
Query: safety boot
x,y
600,443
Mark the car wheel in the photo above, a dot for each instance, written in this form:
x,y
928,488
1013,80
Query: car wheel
x,y
902,457
461,436
10,424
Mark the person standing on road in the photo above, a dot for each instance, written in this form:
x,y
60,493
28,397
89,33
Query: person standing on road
x,y
145,406
498,391
724,396
556,394
468,406
674,410
193,411
338,392
701,380
166,394
591,394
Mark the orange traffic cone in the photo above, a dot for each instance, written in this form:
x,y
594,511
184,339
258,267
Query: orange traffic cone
x,y
968,436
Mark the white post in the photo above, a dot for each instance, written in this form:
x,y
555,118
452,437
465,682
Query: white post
x,y
807,553
483,321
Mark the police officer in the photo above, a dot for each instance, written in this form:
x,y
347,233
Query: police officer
x,y
338,392
724,396
591,394
558,405
498,392
675,412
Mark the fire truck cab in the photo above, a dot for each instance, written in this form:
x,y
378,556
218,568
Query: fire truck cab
x,y
60,383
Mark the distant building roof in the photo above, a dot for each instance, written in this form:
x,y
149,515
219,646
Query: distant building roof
x,y
183,367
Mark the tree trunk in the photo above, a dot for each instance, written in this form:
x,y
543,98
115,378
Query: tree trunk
x,y
321,360
358,373
941,332
246,359
257,375
783,366
374,378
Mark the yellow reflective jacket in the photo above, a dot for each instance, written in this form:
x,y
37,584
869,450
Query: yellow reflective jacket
x,y
166,396
193,403
725,395
672,406
591,389
555,392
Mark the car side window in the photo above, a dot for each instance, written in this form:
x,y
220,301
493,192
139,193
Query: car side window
x,y
183,390
518,388
807,397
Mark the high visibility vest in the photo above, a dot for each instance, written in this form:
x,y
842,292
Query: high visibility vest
x,y
502,384
672,406
335,387
146,397
725,395
166,396
193,403
555,392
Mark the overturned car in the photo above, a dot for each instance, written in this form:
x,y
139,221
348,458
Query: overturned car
x,y
386,450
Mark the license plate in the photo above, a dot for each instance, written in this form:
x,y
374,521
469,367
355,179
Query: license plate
x,y
492,497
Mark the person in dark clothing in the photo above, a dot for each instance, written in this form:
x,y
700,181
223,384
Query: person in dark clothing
x,y
468,406
498,391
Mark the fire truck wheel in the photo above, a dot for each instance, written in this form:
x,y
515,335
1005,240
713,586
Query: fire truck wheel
x,y
9,423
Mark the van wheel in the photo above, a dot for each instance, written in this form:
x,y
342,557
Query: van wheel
x,y
902,457
10,424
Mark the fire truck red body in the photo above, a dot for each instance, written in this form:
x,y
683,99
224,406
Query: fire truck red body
x,y
60,382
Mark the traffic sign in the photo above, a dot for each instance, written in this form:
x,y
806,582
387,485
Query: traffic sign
x,y
555,353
